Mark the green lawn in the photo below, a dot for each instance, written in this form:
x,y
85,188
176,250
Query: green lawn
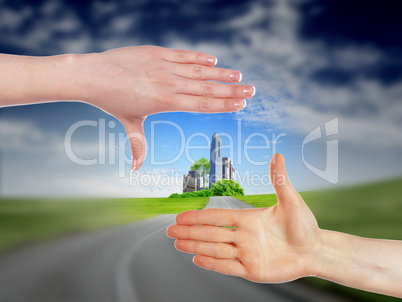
x,y
25,221
373,210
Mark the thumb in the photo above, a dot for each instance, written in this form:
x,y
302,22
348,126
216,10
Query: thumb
x,y
135,133
280,181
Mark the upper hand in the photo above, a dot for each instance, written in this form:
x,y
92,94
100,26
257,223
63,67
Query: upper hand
x,y
133,82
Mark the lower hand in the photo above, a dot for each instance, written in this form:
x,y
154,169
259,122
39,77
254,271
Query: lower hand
x,y
274,244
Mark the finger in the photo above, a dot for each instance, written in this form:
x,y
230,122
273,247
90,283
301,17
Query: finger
x,y
201,232
198,72
216,90
135,133
192,103
216,250
188,56
224,266
280,180
217,217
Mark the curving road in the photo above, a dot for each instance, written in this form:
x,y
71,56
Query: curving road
x,y
133,263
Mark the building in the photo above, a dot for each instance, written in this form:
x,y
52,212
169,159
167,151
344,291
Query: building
x,y
196,175
215,172
192,181
228,171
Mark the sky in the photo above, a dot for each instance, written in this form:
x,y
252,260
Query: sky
x,y
328,76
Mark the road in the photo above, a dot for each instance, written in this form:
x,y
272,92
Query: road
x,y
133,263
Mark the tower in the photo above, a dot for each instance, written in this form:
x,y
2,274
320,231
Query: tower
x,y
215,172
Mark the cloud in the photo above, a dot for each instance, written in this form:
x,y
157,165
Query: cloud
x,y
19,135
281,63
35,163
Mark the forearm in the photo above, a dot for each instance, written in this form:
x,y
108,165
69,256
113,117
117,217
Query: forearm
x,y
369,264
29,80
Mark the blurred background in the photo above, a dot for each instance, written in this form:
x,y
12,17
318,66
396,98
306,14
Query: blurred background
x,y
311,62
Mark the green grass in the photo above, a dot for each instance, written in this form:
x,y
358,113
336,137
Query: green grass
x,y
26,221
373,210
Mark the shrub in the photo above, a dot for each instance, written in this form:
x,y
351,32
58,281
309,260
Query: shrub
x,y
227,187
201,193
175,195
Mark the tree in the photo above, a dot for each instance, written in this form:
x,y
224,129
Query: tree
x,y
227,187
202,166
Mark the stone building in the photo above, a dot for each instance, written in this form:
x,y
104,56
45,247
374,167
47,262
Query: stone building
x,y
192,181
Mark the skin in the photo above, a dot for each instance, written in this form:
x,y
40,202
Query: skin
x,y
283,243
129,83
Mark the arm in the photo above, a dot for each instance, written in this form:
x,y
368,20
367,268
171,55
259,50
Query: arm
x,y
129,83
369,264
284,243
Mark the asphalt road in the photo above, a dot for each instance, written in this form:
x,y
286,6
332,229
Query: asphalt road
x,y
136,263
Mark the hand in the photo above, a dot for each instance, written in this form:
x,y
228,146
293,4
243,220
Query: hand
x,y
274,244
133,82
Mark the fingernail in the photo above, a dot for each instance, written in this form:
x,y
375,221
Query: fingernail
x,y
235,77
212,60
239,104
249,91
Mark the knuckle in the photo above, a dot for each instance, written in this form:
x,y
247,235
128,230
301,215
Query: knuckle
x,y
234,253
228,104
224,74
204,105
180,55
193,246
234,235
235,90
136,146
216,249
229,250
207,89
196,72
210,233
198,57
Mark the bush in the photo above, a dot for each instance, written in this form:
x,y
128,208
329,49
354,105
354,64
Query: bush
x,y
201,193
227,187
206,193
175,195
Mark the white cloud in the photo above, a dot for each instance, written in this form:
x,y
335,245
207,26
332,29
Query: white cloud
x,y
35,163
280,63
11,19
55,17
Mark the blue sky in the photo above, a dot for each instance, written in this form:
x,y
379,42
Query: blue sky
x,y
310,62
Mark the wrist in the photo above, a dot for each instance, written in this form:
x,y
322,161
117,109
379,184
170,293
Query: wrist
x,y
328,253
53,78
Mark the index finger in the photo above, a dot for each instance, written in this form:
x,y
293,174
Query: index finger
x,y
188,56
217,217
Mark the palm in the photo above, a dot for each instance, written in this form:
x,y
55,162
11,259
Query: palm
x,y
278,231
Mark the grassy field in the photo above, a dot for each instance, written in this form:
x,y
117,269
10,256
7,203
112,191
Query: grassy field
x,y
25,221
373,210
